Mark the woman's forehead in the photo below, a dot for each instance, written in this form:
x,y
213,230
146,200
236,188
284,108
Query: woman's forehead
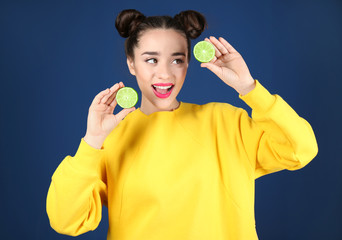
x,y
162,40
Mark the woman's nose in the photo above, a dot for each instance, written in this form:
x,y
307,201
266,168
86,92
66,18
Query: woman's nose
x,y
163,71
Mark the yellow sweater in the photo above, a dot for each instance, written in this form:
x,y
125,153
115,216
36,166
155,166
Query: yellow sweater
x,y
186,174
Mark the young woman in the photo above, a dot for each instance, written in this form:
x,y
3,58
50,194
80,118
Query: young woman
x,y
171,169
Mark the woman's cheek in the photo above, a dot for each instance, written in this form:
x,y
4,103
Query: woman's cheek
x,y
183,71
181,68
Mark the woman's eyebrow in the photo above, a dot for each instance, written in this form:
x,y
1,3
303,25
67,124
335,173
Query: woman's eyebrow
x,y
157,53
150,53
178,54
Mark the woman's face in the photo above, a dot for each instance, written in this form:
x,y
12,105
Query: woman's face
x,y
159,59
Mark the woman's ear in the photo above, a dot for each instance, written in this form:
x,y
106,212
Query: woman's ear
x,y
130,65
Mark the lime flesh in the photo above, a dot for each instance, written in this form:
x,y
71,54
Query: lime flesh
x,y
126,97
204,51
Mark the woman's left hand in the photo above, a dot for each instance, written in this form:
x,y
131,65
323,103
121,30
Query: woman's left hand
x,y
229,66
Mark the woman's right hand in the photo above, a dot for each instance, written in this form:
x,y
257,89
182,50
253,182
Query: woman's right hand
x,y
101,120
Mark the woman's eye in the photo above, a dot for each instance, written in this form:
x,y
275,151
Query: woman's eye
x,y
152,60
179,61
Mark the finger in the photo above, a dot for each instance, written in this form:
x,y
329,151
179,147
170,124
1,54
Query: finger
x,y
100,95
107,99
112,96
115,87
217,52
223,50
213,67
213,60
113,103
123,113
227,45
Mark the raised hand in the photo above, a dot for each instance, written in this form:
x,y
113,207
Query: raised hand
x,y
101,120
229,66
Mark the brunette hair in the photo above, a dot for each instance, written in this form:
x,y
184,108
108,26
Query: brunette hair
x,y
131,24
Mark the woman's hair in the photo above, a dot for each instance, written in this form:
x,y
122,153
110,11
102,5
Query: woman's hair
x,y
131,24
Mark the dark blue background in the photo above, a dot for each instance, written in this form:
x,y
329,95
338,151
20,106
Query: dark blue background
x,y
57,55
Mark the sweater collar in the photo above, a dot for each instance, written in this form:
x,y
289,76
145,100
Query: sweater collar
x,y
181,104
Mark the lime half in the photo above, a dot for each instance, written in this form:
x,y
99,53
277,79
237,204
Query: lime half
x,y
126,97
204,51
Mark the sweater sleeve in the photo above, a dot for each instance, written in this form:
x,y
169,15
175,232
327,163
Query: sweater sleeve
x,y
275,138
77,191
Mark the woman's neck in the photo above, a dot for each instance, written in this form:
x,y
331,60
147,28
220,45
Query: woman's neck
x,y
148,107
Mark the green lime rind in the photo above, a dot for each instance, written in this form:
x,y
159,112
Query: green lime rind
x,y
126,97
204,51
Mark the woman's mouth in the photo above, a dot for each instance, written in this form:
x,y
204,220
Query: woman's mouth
x,y
162,91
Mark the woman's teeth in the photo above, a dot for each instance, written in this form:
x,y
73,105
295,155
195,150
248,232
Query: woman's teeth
x,y
161,87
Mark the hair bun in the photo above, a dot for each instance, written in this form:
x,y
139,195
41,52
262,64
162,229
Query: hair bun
x,y
127,21
194,22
